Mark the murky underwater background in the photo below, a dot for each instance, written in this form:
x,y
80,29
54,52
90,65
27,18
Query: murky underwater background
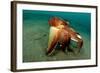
x,y
36,33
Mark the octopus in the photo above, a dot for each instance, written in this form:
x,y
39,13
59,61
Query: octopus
x,y
61,34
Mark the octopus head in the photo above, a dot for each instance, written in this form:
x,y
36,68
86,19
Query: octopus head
x,y
55,21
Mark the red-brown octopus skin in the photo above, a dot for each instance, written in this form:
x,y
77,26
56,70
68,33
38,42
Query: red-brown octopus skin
x,y
64,35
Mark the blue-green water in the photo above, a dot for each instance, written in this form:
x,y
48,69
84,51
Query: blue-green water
x,y
36,31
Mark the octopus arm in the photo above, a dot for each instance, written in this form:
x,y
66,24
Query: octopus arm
x,y
53,38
